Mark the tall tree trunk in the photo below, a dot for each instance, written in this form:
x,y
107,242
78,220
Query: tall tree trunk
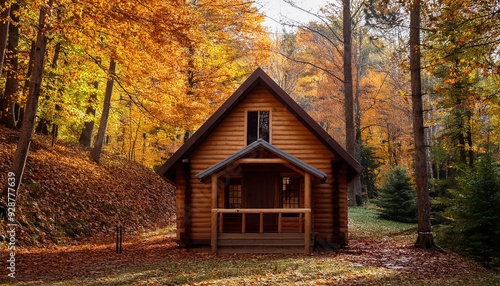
x,y
348,94
101,133
359,64
26,133
10,109
4,29
88,126
425,238
57,86
44,124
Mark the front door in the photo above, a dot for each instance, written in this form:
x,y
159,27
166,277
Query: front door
x,y
261,191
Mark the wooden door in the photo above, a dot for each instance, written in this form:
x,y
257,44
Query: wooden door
x,y
261,191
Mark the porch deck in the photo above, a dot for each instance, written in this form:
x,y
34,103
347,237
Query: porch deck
x,y
260,243
289,237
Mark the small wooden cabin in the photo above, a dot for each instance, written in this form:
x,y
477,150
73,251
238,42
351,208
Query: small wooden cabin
x,y
261,176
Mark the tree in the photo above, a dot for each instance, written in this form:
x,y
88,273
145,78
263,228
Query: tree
x,y
397,198
350,130
86,135
4,29
472,212
425,238
21,154
10,108
101,133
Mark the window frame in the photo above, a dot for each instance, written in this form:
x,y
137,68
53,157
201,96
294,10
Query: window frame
x,y
237,181
295,183
268,110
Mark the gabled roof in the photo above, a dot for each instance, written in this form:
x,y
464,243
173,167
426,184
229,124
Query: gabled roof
x,y
250,149
259,77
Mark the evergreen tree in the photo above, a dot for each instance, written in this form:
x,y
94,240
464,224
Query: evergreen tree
x,y
397,200
472,210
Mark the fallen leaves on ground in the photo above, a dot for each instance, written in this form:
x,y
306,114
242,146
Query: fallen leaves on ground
x,y
65,196
156,260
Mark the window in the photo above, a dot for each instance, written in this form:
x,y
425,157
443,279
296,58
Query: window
x,y
291,192
233,194
257,126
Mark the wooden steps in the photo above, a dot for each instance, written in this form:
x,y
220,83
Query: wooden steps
x,y
260,243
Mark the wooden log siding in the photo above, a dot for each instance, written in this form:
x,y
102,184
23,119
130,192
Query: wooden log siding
x,y
229,137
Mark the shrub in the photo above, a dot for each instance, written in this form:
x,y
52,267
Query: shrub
x,y
397,198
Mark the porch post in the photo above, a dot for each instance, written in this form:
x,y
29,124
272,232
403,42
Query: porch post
x,y
214,191
307,205
214,215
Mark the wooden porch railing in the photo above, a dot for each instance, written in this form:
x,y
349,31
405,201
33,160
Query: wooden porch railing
x,y
218,218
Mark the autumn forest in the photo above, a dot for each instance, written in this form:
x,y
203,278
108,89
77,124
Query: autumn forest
x,y
174,63
138,78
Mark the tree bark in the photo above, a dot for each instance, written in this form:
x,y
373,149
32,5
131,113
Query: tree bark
x,y
4,29
425,237
44,124
10,109
101,133
348,96
359,65
88,127
26,133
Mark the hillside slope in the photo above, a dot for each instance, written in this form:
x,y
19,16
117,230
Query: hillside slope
x,y
65,196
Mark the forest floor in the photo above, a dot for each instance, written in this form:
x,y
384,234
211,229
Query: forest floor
x,y
380,252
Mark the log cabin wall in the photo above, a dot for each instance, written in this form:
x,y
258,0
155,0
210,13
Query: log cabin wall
x,y
286,133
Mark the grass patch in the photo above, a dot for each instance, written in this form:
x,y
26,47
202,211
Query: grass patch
x,y
364,223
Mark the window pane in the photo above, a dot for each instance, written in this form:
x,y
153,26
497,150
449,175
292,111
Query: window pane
x,y
264,125
252,126
291,192
234,196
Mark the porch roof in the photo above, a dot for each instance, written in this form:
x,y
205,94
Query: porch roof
x,y
250,150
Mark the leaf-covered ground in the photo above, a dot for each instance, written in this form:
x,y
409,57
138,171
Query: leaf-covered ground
x,y
380,254
66,197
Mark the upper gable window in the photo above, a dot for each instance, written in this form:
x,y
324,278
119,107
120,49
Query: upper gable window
x,y
257,126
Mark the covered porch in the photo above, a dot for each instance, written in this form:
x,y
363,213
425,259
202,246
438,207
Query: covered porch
x,y
261,201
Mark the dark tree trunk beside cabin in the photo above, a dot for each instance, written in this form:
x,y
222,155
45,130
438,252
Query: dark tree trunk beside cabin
x,y
26,133
101,133
425,237
355,185
10,109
